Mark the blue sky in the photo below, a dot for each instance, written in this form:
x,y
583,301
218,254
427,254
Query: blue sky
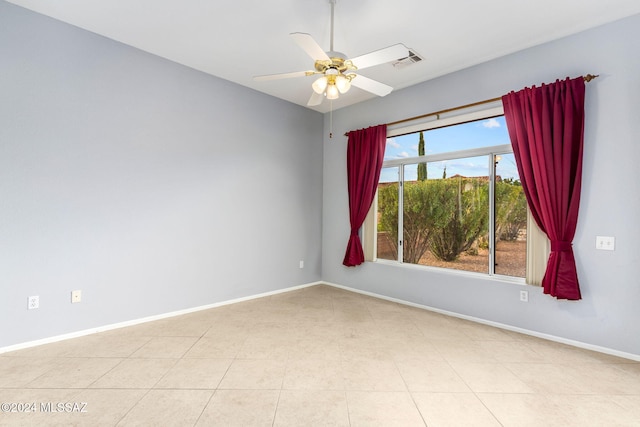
x,y
481,133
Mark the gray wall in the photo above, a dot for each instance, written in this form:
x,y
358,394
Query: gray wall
x,y
608,315
148,185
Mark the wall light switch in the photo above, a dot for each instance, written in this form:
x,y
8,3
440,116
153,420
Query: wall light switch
x,y
605,243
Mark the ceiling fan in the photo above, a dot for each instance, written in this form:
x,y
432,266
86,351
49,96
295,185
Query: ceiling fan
x,y
337,73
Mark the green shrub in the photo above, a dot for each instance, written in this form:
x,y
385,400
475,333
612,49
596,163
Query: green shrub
x,y
511,209
445,216
460,215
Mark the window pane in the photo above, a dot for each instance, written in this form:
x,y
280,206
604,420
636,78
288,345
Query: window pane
x,y
446,216
511,219
387,215
464,136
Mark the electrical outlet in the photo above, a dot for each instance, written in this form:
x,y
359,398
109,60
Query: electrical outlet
x,y
524,296
605,243
33,302
76,296
301,264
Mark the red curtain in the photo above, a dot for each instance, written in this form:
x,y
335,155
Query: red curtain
x,y
546,127
365,154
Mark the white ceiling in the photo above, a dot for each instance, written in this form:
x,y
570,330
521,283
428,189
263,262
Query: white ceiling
x,y
236,40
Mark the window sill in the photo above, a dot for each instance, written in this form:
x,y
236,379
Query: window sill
x,y
449,271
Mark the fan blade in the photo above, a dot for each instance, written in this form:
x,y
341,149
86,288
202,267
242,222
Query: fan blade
x,y
381,56
283,75
372,86
309,45
316,99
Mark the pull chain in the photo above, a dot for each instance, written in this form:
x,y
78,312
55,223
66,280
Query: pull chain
x,y
333,5
331,119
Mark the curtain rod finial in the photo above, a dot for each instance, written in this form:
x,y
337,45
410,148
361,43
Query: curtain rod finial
x,y
590,77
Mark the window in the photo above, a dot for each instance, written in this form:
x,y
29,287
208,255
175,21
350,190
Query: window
x,y
450,196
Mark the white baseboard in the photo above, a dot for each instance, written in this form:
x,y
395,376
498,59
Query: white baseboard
x,y
586,346
554,338
133,322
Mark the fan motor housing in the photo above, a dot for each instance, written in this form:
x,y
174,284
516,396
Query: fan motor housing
x,y
336,62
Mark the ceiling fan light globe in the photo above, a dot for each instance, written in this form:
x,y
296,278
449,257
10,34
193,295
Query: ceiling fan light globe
x,y
343,84
320,85
332,92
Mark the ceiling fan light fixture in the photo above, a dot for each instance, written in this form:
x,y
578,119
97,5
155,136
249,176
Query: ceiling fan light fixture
x,y
343,83
320,85
332,92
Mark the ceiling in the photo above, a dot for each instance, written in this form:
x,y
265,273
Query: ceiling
x,y
236,40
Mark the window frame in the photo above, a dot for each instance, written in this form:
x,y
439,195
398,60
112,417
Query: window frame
x,y
369,229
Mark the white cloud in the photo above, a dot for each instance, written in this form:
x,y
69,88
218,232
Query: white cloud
x,y
403,154
491,123
392,143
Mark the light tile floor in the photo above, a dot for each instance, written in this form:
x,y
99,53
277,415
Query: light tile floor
x,y
317,356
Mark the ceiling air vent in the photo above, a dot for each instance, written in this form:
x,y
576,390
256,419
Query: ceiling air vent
x,y
407,60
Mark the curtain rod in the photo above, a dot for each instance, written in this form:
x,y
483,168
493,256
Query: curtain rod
x,y
586,78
